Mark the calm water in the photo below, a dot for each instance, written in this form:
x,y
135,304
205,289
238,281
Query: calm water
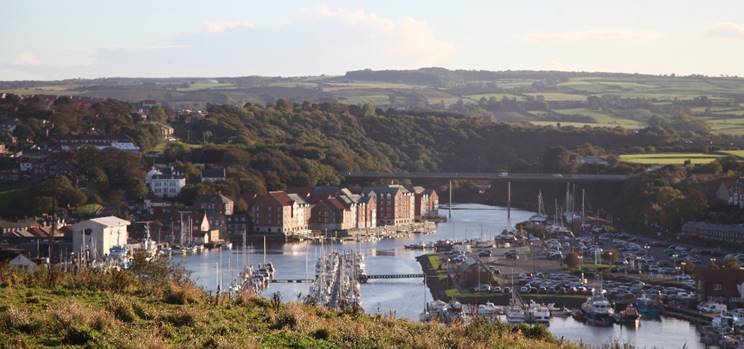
x,y
406,297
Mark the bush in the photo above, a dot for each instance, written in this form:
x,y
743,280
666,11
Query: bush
x,y
78,335
121,309
320,333
143,311
284,320
535,332
183,294
181,318
18,319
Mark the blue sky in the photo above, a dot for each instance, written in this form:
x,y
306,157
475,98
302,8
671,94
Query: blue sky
x,y
157,38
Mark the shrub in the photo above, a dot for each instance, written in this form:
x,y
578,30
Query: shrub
x,y
181,318
284,320
18,319
73,314
183,294
121,309
320,333
78,335
535,332
143,311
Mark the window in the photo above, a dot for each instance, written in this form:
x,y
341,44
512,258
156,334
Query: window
x,y
717,287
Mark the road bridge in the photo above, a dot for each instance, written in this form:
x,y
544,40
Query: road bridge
x,y
505,176
498,176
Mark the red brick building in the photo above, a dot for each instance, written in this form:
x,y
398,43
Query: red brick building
x,y
426,202
332,214
722,284
280,213
395,204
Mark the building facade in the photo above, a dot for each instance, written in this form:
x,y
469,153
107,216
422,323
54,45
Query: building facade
x,y
426,202
714,232
280,213
723,284
165,183
94,238
395,204
332,214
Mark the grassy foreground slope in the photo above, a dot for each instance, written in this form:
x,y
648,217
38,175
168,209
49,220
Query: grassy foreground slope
x,y
148,310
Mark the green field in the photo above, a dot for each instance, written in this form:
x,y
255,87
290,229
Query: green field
x,y
378,99
576,124
669,158
601,117
600,85
733,126
737,153
558,96
205,86
88,210
498,96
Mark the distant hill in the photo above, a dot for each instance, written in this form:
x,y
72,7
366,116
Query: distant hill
x,y
593,99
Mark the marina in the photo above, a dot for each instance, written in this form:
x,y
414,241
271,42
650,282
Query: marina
x,y
406,297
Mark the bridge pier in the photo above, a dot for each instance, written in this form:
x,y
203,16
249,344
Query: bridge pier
x,y
449,204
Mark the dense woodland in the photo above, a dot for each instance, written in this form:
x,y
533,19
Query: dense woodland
x,y
271,147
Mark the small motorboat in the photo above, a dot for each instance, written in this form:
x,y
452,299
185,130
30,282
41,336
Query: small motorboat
x,y
558,311
629,316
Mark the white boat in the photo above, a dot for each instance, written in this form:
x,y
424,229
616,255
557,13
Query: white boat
x,y
597,310
489,309
558,311
515,314
538,313
712,308
229,245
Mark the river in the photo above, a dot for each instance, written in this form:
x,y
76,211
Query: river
x,y
406,297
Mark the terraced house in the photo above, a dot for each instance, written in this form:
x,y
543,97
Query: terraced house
x,y
395,204
280,213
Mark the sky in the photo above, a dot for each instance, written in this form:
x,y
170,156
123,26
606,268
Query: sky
x,y
51,39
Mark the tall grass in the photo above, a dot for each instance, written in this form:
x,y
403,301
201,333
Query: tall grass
x,y
88,309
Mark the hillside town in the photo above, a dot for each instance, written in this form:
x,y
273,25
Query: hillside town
x,y
187,208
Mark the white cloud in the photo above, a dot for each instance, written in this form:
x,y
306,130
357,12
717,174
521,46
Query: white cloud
x,y
596,34
407,39
26,59
316,41
221,26
726,30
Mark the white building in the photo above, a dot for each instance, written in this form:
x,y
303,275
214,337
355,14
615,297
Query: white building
x,y
97,236
165,184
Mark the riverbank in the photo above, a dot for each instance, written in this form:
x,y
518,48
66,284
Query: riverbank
x,y
442,288
362,234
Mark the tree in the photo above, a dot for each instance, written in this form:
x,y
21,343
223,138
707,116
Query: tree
x,y
611,256
556,160
157,113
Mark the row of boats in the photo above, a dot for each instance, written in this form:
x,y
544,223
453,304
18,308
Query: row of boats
x,y
336,283
515,313
253,280
596,311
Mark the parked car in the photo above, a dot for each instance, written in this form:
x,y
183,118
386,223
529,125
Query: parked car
x,y
482,288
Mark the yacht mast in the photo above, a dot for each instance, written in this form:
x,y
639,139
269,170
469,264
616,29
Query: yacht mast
x,y
508,204
583,212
